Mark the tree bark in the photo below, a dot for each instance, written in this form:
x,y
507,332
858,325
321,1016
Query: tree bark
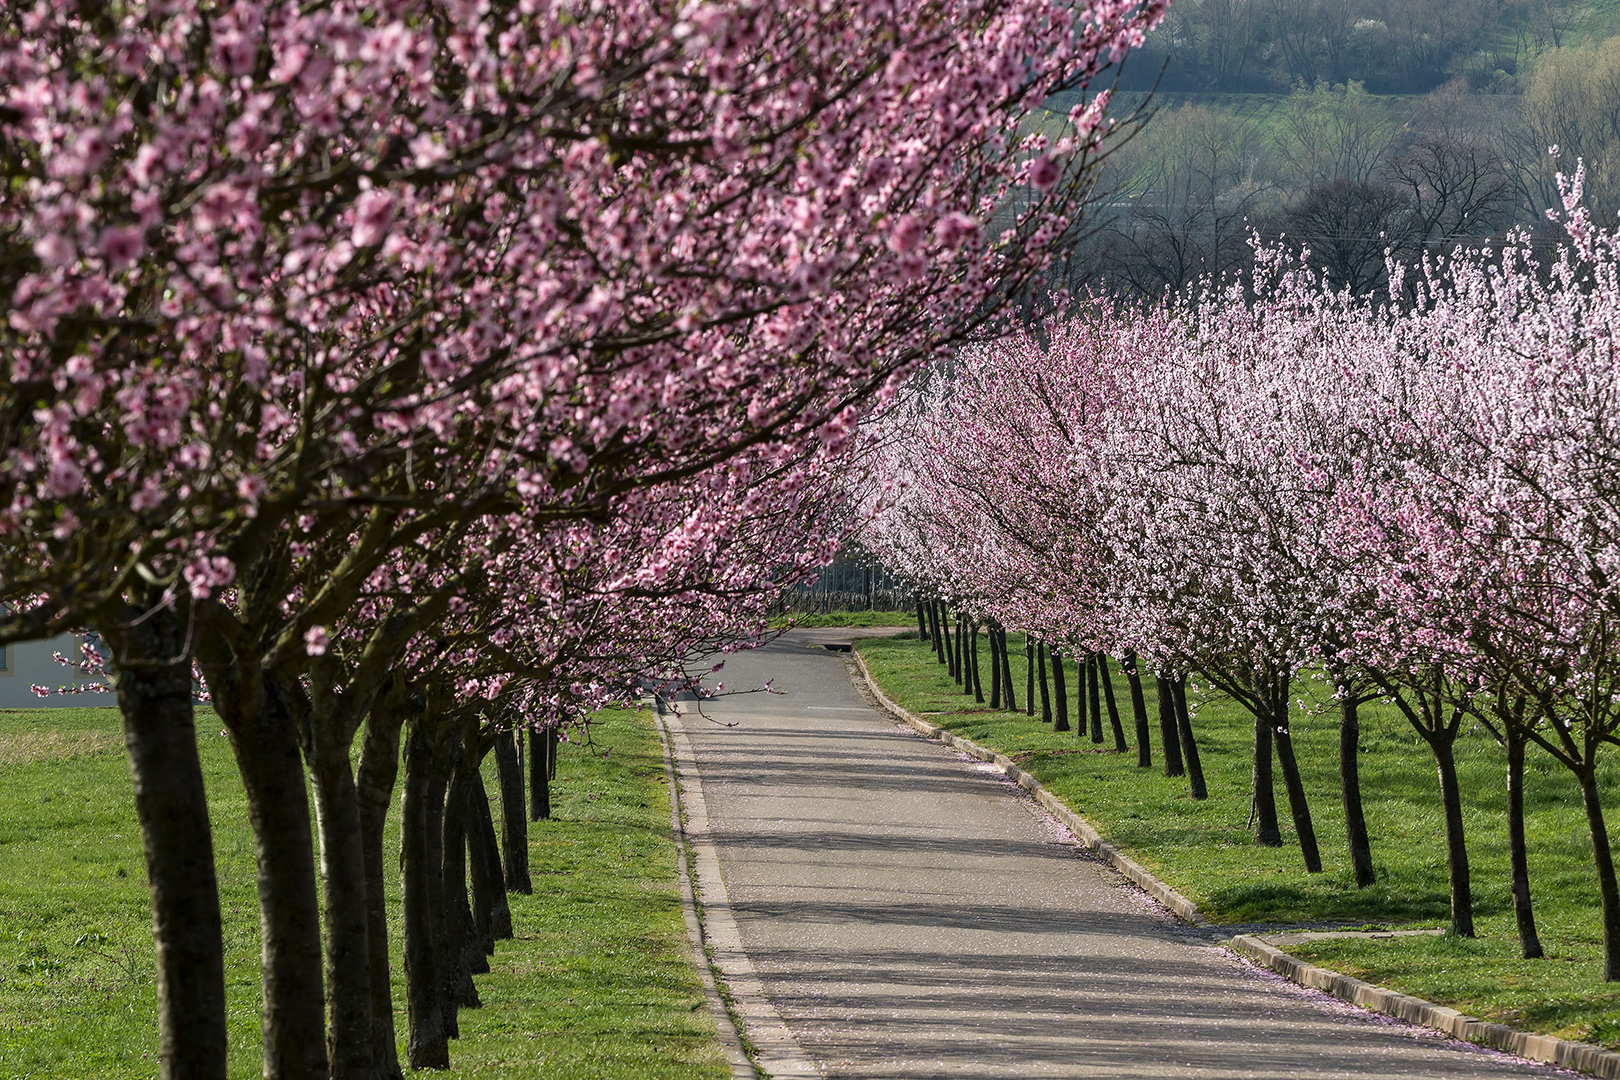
x,y
152,679
1355,821
344,915
1006,673
994,634
1518,857
1295,786
379,771
464,949
484,856
1268,833
420,859
1189,745
259,710
939,630
1029,674
1462,895
1095,705
1168,737
1060,689
973,652
539,776
1144,753
922,625
514,822
1094,678
1603,858
1046,692
1106,677
1081,715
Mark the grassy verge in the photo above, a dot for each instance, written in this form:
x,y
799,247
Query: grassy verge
x,y
1206,849
813,620
597,983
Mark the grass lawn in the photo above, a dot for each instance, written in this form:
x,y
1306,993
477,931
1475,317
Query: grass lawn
x,y
1206,849
598,982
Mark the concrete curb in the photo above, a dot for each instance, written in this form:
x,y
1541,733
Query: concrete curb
x,y
777,1053
725,1027
1079,826
1570,1055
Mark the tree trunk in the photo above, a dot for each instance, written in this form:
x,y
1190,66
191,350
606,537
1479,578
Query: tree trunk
x,y
463,949
994,635
1603,858
1462,896
1095,709
1295,786
1268,832
1518,857
258,709
1094,678
514,823
484,854
152,678
1106,677
539,775
1029,674
344,915
1046,692
1144,753
922,624
1168,737
1081,715
1006,673
1355,821
420,860
1189,745
939,630
1060,689
552,738
379,771
973,651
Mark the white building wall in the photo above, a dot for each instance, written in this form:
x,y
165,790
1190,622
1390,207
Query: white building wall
x,y
30,663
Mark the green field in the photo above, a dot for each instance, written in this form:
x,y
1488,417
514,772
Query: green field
x,y
844,618
1206,850
597,983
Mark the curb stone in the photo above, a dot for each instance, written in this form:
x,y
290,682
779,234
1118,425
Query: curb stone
x,y
1079,826
1562,1052
777,1054
1583,1057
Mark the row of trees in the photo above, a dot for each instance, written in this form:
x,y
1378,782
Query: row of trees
x,y
412,371
1413,500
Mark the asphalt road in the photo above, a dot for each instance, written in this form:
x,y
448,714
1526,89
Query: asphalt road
x,y
911,913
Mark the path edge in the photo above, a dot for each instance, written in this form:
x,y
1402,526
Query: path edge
x,y
1544,1048
1082,829
742,1068
762,1035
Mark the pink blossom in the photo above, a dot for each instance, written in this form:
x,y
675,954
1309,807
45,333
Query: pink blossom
x,y
373,216
906,234
121,246
316,641
1044,173
55,250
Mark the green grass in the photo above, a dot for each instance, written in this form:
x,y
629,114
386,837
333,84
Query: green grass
x,y
1206,849
812,620
597,983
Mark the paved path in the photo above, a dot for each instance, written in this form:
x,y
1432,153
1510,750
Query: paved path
x,y
912,914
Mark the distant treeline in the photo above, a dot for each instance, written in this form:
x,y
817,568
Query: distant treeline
x,y
1391,46
1351,175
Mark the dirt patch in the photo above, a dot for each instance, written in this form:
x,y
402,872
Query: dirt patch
x,y
32,746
